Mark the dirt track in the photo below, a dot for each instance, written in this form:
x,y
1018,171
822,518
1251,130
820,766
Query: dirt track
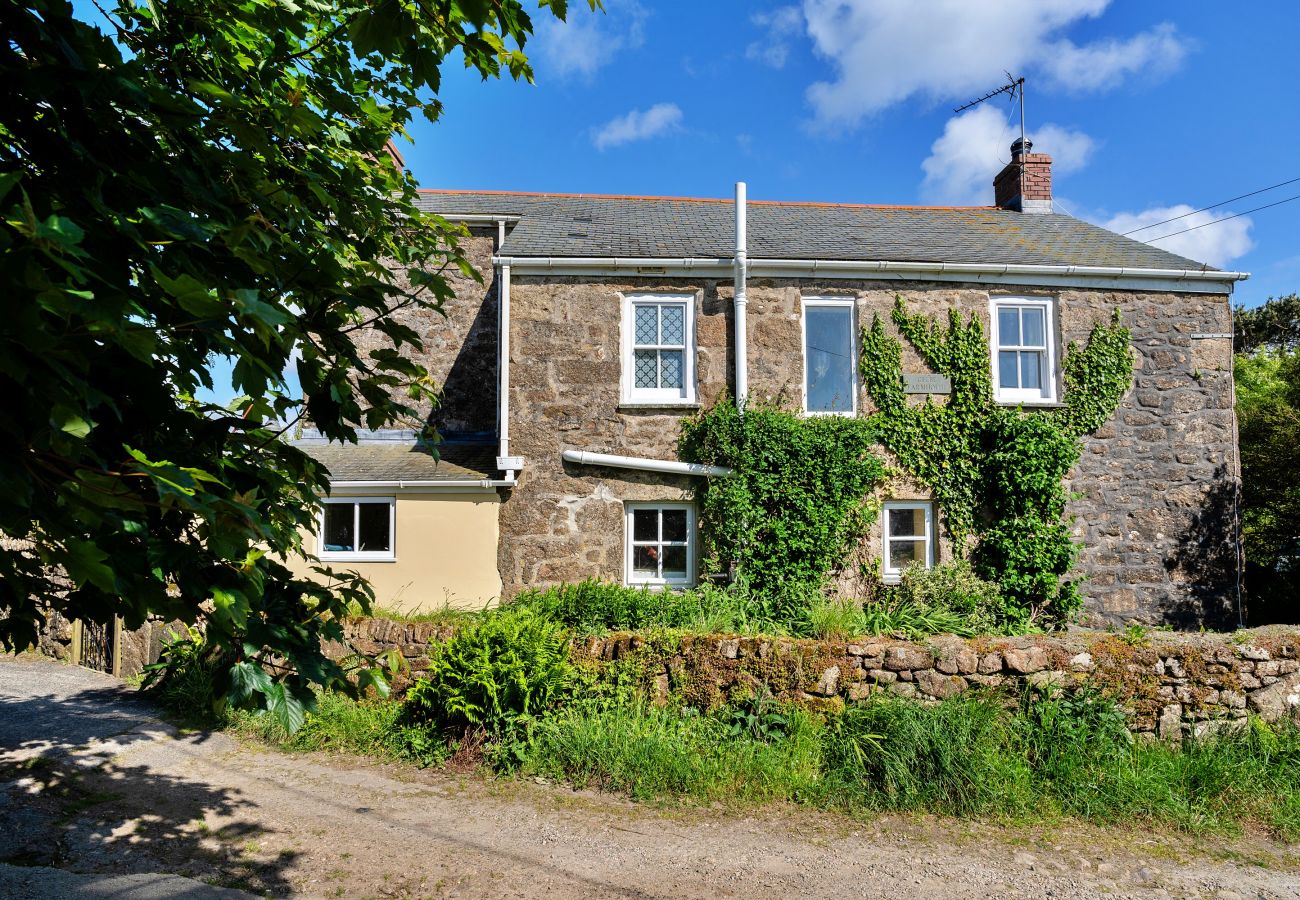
x,y
91,781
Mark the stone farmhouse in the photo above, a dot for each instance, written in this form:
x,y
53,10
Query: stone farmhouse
x,y
601,321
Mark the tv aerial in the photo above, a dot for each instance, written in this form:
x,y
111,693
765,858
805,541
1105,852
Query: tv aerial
x,y
1016,88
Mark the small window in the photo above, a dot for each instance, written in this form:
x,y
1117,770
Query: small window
x,y
830,365
356,529
909,538
661,543
659,349
1023,358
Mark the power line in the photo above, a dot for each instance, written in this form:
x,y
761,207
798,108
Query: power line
x,y
1212,206
1224,219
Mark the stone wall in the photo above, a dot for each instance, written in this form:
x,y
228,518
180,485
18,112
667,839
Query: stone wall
x,y
1169,684
1157,484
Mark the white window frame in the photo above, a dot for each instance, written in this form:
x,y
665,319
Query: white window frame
x,y
658,396
389,555
892,575
632,580
833,302
1021,396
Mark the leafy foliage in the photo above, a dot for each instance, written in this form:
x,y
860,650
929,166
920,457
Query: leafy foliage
x,y
1268,411
495,675
209,180
595,606
796,503
1274,325
953,592
997,472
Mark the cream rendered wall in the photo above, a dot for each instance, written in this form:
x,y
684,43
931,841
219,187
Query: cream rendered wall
x,y
446,548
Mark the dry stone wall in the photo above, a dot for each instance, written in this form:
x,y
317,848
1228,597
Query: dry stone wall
x,y
1157,485
1169,684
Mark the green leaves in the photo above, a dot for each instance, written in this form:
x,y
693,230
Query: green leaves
x,y
221,192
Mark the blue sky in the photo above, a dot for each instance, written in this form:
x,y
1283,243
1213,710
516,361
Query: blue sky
x,y
1150,110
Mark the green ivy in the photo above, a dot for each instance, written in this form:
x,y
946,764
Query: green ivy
x,y
796,503
997,472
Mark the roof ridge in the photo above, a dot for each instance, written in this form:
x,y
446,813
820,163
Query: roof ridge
x,y
575,196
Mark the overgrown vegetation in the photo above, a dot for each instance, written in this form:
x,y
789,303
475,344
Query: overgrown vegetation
x,y
997,473
795,505
1267,376
593,606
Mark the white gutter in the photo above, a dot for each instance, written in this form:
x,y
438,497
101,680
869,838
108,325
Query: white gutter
x,y
478,219
672,467
739,263
1203,280
445,484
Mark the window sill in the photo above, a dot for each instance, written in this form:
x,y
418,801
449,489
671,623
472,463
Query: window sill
x,y
1033,404
347,558
658,406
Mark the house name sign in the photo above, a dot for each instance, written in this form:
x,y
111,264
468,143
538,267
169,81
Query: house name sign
x,y
927,384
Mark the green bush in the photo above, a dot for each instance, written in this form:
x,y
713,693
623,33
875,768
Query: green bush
x,y
892,616
185,678
593,606
494,675
954,588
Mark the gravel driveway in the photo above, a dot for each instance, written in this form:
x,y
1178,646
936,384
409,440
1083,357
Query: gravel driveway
x,y
98,797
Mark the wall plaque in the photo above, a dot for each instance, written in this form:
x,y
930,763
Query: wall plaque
x,y
927,384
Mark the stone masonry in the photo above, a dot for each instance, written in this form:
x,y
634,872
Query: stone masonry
x,y
1156,488
1170,685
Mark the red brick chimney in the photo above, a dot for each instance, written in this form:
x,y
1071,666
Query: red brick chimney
x,y
1025,185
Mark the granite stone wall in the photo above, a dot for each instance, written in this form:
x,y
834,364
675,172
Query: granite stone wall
x,y
1170,685
1157,485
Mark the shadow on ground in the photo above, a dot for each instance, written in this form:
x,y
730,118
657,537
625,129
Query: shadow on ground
x,y
73,796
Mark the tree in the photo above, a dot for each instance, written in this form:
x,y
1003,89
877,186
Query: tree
x,y
1275,324
1268,412
209,180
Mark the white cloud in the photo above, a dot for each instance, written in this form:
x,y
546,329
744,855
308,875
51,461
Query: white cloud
x,y
783,24
638,125
975,145
588,41
1217,245
884,52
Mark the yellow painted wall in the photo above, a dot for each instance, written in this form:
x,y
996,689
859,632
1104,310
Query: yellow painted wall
x,y
446,548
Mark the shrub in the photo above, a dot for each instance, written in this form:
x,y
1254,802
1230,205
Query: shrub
x,y
594,606
184,679
955,588
494,675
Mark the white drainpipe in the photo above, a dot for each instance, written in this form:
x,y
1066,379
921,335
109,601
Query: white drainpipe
x,y
505,462
740,264
672,467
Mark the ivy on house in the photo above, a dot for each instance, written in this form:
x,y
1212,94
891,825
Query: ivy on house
x,y
796,504
997,472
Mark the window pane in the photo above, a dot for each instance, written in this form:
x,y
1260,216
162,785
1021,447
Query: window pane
x,y
903,553
374,535
670,369
338,528
645,561
645,524
674,562
647,325
674,524
906,522
830,359
1031,370
1008,327
673,320
646,364
1032,318
1007,374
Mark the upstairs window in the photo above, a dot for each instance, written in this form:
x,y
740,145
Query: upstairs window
x,y
830,365
1024,365
660,545
356,529
909,538
659,348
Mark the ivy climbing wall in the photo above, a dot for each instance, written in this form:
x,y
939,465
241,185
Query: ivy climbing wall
x,y
1152,497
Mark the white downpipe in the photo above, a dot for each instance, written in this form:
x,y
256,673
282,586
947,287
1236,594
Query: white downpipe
x,y
503,376
740,263
672,467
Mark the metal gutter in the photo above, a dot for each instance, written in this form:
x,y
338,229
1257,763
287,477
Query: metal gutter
x,y
445,484
672,467
1113,276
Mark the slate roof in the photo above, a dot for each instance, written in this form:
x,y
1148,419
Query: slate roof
x,y
592,225
401,458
